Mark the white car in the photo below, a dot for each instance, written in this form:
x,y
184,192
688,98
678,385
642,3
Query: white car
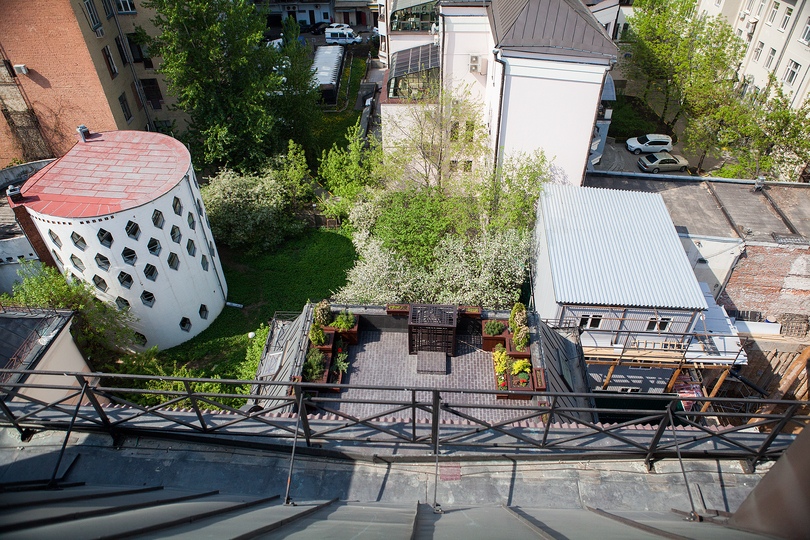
x,y
650,143
338,26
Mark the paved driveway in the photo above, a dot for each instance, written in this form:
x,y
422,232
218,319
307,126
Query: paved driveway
x,y
618,158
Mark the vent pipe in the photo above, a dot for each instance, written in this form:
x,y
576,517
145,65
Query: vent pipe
x,y
84,132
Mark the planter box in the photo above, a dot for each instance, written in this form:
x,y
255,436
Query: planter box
x,y
397,309
520,392
539,379
327,345
327,362
489,342
470,311
349,336
335,377
512,352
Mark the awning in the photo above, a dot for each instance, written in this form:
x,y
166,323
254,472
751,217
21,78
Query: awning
x,y
609,90
396,5
414,60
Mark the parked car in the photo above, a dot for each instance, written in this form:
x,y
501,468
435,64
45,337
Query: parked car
x,y
662,161
339,26
304,27
342,36
650,143
319,28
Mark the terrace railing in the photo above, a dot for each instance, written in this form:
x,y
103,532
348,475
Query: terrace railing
x,y
400,423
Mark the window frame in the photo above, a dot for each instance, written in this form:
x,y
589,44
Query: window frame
x,y
92,15
110,61
757,51
769,59
121,8
122,100
772,14
805,37
786,19
791,72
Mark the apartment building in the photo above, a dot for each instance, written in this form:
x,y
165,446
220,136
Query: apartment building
x,y
71,62
777,33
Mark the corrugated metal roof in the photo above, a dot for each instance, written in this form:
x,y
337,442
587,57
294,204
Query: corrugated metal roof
x,y
327,64
615,248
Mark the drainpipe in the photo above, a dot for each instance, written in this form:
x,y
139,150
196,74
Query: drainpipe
x,y
495,161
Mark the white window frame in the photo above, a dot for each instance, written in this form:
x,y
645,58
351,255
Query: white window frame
x,y
718,2
92,15
105,50
769,60
749,6
761,7
590,322
791,72
772,14
125,6
757,51
806,33
786,19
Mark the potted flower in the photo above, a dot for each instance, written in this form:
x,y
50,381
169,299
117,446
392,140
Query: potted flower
x,y
470,311
345,325
501,363
397,309
520,379
493,332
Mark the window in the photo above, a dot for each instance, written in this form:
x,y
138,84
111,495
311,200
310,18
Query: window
x,y
191,222
199,207
55,238
157,219
151,91
772,14
100,283
57,257
122,303
176,235
761,7
658,324
758,51
77,263
102,261
173,260
139,56
739,32
806,32
78,241
791,72
129,256
204,263
107,8
133,231
108,59
147,298
122,100
150,272
325,15
153,246
769,60
92,15
211,248
203,311
786,19
125,280
105,238
185,324
140,339
590,321
718,2
121,53
749,5
177,206
191,248
125,6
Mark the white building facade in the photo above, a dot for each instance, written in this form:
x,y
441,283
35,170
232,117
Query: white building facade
x,y
123,212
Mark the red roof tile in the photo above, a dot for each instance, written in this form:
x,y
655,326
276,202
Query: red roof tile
x,y
112,171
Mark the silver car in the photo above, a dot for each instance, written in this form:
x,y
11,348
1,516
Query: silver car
x,y
650,143
662,161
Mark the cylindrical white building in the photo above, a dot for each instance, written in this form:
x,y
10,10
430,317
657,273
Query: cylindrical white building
x,y
122,211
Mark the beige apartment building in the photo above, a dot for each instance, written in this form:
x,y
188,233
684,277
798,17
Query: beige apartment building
x,y
71,62
777,33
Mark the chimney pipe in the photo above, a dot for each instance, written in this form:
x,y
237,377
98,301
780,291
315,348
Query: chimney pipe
x,y
84,132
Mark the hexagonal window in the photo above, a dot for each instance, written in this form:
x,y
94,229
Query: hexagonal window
x,y
150,272
204,263
122,303
203,311
153,246
133,231
102,261
129,256
105,238
191,222
77,263
139,339
147,298
176,234
78,241
100,283
125,280
173,260
178,206
157,219
191,248
57,257
55,238
185,324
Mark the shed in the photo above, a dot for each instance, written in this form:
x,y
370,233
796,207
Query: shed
x,y
328,65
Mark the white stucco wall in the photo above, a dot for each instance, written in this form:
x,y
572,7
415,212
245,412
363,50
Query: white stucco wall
x,y
178,293
552,106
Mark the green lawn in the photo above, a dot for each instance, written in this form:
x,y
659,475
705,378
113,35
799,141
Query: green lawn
x,y
307,267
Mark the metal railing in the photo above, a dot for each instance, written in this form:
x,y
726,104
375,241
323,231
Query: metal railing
x,y
401,423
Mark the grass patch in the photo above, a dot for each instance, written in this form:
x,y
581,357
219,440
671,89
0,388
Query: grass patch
x,y
334,124
309,266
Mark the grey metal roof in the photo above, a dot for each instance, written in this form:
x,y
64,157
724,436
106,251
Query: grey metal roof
x,y
414,60
327,64
609,89
559,27
615,248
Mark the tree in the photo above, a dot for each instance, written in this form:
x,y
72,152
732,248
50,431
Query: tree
x,y
98,325
222,75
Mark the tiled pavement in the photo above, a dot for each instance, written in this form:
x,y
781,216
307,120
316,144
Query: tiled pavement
x,y
382,359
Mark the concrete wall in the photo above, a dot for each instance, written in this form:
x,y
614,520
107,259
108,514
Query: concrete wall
x,y
770,279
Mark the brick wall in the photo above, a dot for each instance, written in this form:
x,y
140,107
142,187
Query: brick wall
x,y
770,279
62,86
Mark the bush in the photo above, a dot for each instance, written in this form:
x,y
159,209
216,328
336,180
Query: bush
x,y
519,366
521,339
340,363
323,313
314,366
494,328
344,321
518,314
500,359
316,334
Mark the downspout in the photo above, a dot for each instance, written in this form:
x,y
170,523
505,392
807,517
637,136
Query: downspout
x,y
125,48
495,160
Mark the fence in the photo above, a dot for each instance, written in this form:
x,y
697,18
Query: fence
x,y
401,423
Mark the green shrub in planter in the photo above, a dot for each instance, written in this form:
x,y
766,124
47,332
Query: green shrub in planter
x,y
519,311
313,366
519,366
494,328
323,313
316,334
521,339
344,321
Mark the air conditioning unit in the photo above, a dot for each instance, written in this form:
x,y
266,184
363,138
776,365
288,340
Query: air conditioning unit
x,y
100,32
291,8
20,69
478,64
